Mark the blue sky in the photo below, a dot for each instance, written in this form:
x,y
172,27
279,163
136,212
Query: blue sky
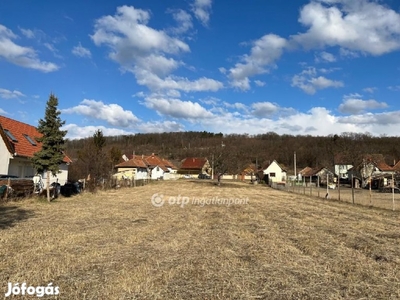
x,y
309,67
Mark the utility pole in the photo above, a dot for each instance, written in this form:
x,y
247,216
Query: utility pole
x,y
212,166
295,171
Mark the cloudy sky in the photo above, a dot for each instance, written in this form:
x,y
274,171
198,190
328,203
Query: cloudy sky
x,y
304,67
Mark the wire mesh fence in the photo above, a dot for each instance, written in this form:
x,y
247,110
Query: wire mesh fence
x,y
387,198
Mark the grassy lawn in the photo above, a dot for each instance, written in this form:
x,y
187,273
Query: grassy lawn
x,y
117,245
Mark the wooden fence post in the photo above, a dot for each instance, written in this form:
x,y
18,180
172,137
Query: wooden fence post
x,y
352,188
8,186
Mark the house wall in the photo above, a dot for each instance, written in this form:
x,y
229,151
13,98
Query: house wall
x,y
5,157
62,176
341,170
141,173
280,175
137,173
21,167
157,173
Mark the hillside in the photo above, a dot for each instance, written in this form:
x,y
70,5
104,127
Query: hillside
x,y
236,151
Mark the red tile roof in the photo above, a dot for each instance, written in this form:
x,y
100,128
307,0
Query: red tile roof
x,y
193,163
396,167
150,161
153,161
22,147
135,162
169,164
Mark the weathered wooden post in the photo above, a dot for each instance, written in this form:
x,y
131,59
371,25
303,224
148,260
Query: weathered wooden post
x,y
8,186
352,188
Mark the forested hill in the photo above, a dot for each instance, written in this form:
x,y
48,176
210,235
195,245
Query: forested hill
x,y
236,151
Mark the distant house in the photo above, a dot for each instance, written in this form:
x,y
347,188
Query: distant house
x,y
134,168
316,176
342,166
195,165
372,166
147,167
17,146
274,172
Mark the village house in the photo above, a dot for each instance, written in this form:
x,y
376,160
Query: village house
x,y
317,176
274,172
133,168
146,167
373,167
342,165
17,146
195,165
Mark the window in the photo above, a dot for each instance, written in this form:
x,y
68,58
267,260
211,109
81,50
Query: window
x,y
9,134
29,139
272,175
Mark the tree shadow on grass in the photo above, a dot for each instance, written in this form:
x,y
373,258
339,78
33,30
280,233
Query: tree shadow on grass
x,y
11,215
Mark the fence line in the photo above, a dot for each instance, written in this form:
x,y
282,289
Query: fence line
x,y
345,193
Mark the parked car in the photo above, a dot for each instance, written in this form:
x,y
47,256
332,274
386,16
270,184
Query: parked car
x,y
204,176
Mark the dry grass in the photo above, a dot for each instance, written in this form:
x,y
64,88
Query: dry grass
x,y
361,196
116,245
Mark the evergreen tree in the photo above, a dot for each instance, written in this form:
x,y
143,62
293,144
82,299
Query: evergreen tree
x,y
49,158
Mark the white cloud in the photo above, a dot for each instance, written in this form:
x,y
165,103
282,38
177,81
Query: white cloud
x,y
7,94
354,25
22,56
81,51
154,82
30,34
263,55
165,126
325,57
202,10
310,82
176,108
113,114
128,36
264,109
3,112
183,19
370,90
259,82
370,120
75,131
395,88
353,104
237,105
145,51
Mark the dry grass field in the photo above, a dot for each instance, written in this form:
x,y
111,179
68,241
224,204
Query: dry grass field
x,y
361,196
117,245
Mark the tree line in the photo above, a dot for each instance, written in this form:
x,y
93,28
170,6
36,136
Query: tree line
x,y
231,153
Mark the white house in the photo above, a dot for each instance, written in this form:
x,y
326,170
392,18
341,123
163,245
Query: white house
x,y
17,146
160,168
275,172
134,168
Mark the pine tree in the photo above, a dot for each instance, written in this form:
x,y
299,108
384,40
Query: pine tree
x,y
49,158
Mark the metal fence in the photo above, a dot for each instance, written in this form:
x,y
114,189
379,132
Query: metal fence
x,y
388,198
